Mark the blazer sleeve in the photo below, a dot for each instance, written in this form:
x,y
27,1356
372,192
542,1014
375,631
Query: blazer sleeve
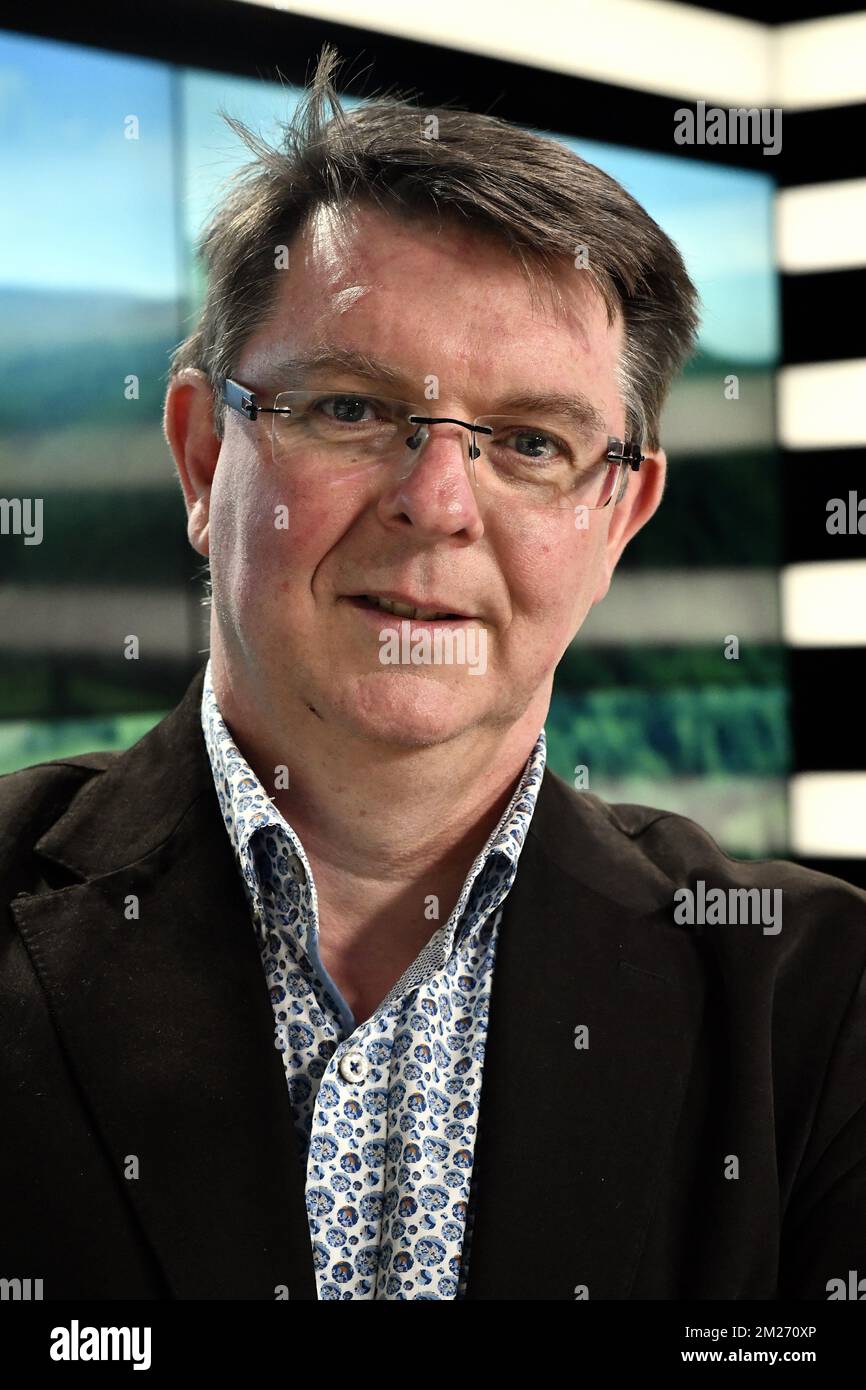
x,y
824,1227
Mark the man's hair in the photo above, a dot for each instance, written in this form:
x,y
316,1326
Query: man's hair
x,y
531,193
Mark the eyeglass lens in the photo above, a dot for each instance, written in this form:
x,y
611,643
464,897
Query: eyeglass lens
x,y
531,461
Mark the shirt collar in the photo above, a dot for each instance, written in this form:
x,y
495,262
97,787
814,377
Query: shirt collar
x,y
246,807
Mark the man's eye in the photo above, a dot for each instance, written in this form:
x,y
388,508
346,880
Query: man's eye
x,y
534,445
346,409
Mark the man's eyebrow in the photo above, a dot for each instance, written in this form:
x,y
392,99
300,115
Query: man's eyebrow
x,y
293,370
576,408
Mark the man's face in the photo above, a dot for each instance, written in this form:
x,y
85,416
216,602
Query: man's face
x,y
432,301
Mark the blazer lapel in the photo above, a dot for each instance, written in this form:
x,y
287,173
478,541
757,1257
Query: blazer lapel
x,y
571,1139
155,981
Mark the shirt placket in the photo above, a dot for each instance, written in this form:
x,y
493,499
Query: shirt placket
x,y
383,1223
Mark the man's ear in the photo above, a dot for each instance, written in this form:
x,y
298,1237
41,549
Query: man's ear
x,y
188,428
642,497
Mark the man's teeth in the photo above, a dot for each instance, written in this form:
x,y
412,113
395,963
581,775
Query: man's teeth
x,y
403,610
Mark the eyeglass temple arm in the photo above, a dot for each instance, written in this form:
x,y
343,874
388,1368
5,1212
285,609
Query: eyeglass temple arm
x,y
239,398
624,451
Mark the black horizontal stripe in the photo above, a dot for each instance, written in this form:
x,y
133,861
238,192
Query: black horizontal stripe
x,y
811,479
822,146
827,726
823,314
851,870
772,12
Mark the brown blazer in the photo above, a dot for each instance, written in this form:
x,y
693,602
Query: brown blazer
x,y
600,1168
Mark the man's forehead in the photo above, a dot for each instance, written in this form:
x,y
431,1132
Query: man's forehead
x,y
351,253
339,291
330,277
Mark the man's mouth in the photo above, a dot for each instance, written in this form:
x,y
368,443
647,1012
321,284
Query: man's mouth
x,y
406,610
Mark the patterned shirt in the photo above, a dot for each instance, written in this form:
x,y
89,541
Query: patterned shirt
x,y
385,1111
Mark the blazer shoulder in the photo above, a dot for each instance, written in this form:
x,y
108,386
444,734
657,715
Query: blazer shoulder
x,y
666,843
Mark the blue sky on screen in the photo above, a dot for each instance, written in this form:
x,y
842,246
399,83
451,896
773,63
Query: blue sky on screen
x,y
722,221
93,210
90,209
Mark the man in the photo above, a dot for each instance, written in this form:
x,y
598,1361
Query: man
x,y
329,988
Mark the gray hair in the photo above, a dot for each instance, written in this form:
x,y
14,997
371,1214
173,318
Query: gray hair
x,y
531,193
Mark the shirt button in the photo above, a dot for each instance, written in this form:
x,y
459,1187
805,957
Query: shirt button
x,y
296,869
353,1067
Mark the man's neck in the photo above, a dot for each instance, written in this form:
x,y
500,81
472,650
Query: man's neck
x,y
390,836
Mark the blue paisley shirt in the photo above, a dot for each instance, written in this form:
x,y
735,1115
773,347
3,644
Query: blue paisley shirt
x,y
385,1112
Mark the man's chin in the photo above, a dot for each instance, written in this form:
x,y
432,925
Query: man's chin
x,y
406,709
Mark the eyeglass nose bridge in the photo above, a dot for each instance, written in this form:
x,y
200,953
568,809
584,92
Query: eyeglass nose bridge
x,y
416,440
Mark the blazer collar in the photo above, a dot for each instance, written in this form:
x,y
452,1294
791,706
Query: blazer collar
x,y
167,1024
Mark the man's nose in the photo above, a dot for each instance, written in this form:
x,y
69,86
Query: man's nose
x,y
434,484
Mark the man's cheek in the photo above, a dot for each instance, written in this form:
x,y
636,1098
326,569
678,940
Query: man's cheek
x,y
285,528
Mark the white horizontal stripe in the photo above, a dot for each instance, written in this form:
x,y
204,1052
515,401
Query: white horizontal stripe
x,y
821,226
822,62
685,607
650,45
96,620
821,404
698,418
828,813
824,604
